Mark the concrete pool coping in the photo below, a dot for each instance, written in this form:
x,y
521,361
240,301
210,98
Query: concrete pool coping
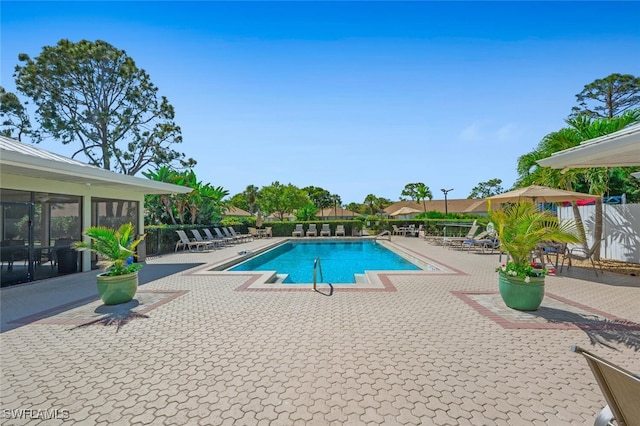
x,y
375,280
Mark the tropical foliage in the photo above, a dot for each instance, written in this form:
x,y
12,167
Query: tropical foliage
x,y
114,247
487,189
520,227
203,205
282,199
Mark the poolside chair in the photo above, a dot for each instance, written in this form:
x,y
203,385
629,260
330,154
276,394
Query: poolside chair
x,y
621,390
457,241
253,232
218,237
340,231
268,231
398,231
245,237
210,242
579,253
186,243
325,231
312,231
224,238
298,232
228,234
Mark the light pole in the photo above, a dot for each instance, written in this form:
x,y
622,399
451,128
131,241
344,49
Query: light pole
x,y
446,209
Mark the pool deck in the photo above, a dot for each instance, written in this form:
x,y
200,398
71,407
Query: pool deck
x,y
209,348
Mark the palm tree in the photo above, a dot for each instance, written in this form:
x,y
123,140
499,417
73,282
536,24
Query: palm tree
x,y
371,200
593,180
251,194
422,193
335,198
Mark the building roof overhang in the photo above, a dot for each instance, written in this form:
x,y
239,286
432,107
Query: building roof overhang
x,y
618,149
25,160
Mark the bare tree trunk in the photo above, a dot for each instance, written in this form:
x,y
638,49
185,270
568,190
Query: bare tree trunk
x,y
597,232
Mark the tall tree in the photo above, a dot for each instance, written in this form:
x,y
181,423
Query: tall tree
x,y
336,200
608,97
251,194
319,196
487,189
15,119
281,199
94,94
371,200
417,192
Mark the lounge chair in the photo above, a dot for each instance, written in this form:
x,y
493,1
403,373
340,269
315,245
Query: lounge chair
x,y
398,231
225,238
579,253
325,231
312,231
186,243
621,390
210,242
245,237
218,237
228,234
457,241
340,231
298,232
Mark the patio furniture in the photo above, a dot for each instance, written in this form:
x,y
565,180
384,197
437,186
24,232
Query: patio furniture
x,y
298,232
224,238
228,234
457,241
268,231
620,388
325,231
579,253
185,242
340,231
398,231
210,242
312,231
246,237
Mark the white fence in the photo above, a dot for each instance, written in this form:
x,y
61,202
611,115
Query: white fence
x,y
621,229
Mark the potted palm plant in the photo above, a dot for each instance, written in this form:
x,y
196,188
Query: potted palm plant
x,y
520,227
115,249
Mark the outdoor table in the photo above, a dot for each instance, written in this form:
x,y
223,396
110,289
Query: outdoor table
x,y
261,233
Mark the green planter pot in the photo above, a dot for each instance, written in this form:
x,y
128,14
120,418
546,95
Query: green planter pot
x,y
517,294
117,289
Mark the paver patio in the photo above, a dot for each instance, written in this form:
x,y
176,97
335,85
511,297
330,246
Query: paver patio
x,y
427,348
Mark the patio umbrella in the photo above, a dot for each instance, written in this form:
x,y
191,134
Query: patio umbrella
x,y
259,220
405,211
540,194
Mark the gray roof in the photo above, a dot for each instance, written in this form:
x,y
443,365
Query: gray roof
x,y
22,159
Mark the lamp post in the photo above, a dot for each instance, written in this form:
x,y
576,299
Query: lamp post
x,y
446,209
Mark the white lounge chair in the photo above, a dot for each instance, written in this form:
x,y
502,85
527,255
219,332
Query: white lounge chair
x,y
340,231
312,231
210,242
299,231
325,231
186,243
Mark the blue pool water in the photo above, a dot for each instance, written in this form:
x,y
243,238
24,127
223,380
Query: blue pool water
x,y
340,260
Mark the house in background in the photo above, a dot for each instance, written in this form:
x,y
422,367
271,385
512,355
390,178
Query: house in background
x,y
47,201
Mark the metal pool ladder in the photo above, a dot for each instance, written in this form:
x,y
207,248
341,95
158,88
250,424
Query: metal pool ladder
x,y
317,265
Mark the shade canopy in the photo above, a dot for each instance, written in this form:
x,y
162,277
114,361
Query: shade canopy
x,y
618,149
405,211
539,194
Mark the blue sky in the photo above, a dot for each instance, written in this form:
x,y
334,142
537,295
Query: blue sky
x,y
354,97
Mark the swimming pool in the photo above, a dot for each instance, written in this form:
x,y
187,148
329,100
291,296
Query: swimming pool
x,y
340,260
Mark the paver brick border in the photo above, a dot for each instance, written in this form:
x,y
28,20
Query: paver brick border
x,y
48,316
506,323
